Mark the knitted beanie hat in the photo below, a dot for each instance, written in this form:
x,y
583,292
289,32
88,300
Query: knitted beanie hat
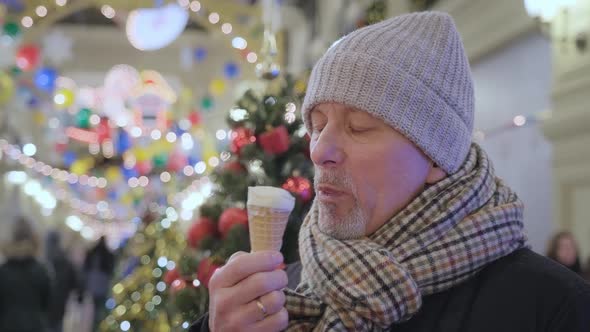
x,y
410,71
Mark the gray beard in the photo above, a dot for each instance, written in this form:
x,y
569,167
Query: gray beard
x,y
351,226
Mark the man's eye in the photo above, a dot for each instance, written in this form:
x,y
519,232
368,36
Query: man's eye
x,y
358,130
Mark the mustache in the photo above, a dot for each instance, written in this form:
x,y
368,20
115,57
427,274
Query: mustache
x,y
333,178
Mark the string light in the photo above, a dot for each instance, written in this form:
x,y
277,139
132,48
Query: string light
x,y
252,57
108,11
214,18
226,28
27,21
221,134
61,3
41,11
195,6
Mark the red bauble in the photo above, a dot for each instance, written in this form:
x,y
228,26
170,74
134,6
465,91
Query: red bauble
x,y
144,167
275,141
195,118
176,162
171,275
205,271
103,130
240,138
27,57
230,218
177,285
199,230
61,147
235,167
300,187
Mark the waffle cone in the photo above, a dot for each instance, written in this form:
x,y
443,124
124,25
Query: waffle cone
x,y
266,227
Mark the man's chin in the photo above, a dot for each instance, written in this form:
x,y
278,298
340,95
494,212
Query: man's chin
x,y
340,228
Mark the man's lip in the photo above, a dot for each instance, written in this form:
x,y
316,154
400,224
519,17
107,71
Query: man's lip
x,y
330,191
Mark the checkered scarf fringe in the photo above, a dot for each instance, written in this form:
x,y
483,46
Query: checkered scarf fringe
x,y
445,236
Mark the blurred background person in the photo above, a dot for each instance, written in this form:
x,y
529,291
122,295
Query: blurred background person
x,y
65,281
564,250
98,270
24,282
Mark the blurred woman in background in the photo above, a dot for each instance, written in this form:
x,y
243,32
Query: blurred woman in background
x,y
564,250
65,281
24,282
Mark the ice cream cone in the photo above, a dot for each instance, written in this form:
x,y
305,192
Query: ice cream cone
x,y
268,213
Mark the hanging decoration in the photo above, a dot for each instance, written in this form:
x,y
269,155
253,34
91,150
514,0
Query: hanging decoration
x,y
150,29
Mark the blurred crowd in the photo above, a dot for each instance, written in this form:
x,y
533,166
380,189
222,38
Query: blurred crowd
x,y
39,280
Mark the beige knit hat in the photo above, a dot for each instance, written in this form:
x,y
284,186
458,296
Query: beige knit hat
x,y
410,71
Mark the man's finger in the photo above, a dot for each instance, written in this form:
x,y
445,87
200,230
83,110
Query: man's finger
x,y
245,265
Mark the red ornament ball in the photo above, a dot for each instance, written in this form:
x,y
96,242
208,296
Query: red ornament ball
x,y
170,276
144,167
27,57
195,118
300,187
231,217
240,138
275,141
235,167
205,271
177,285
199,230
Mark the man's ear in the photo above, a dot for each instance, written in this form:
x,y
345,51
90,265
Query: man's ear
x,y
435,174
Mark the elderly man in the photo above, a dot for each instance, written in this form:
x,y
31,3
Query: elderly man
x,y
410,230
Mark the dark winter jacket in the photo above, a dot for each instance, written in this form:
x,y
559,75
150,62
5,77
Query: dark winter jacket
x,y
522,292
24,295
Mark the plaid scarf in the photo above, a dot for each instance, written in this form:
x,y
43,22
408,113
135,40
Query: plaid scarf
x,y
443,237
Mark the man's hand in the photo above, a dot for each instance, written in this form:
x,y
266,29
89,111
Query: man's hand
x,y
241,291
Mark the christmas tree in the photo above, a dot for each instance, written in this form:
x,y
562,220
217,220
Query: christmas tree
x,y
140,294
269,147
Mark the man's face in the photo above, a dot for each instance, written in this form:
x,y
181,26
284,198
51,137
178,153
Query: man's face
x,y
365,171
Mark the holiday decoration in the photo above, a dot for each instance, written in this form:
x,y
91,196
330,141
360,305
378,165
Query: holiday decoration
x,y
83,118
200,229
230,218
64,98
150,29
171,276
195,118
11,29
231,70
251,162
206,270
275,141
241,137
217,87
6,87
235,167
207,103
200,54
27,57
45,79
149,276
300,187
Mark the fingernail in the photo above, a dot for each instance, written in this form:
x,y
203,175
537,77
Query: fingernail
x,y
277,257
